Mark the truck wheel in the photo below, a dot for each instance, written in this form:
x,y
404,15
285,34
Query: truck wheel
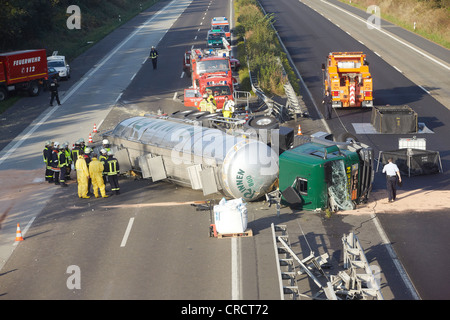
x,y
34,89
347,137
3,94
262,122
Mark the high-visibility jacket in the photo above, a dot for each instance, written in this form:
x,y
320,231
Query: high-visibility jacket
x,y
212,100
47,155
55,160
153,54
62,159
112,166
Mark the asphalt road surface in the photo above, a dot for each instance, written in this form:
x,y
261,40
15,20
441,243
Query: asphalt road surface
x,y
150,242
402,65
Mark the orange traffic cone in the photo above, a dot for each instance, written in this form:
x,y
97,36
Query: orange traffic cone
x,y
95,129
90,138
299,132
18,234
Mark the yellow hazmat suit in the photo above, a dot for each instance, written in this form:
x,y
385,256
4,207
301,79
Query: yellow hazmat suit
x,y
95,171
82,177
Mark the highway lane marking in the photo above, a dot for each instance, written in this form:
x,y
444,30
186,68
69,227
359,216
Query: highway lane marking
x,y
134,75
156,204
80,83
397,69
424,89
182,75
127,232
235,270
391,36
118,97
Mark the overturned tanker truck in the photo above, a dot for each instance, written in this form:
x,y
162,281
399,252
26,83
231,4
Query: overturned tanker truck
x,y
194,156
312,173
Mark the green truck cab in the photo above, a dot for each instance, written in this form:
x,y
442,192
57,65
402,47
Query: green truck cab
x,y
323,174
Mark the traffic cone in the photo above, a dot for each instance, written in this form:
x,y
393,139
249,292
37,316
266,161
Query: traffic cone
x,y
18,234
299,132
90,138
246,116
95,129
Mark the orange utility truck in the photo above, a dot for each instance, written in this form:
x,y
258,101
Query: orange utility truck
x,y
346,76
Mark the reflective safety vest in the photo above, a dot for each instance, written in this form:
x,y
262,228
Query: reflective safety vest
x,y
153,54
62,159
112,166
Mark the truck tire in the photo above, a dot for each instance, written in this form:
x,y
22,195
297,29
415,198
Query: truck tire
x,y
346,137
34,89
262,122
3,94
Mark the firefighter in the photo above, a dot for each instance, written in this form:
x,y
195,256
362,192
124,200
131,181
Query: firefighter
x,y
54,92
228,108
47,154
87,157
69,158
103,157
96,172
112,169
63,164
203,106
82,176
154,57
76,152
213,101
106,145
327,105
55,163
82,144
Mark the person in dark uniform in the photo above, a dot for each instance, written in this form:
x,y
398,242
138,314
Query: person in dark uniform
x,y
54,92
55,163
112,169
327,105
154,57
63,164
47,154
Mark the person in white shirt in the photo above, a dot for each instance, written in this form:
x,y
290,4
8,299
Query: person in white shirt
x,y
392,172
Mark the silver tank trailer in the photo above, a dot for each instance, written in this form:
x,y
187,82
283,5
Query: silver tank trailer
x,y
242,167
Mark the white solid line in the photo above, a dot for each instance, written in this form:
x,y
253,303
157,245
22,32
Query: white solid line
x,y
134,75
118,97
424,89
235,274
391,36
127,232
72,91
397,69
401,270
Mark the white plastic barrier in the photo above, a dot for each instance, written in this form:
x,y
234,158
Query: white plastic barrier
x,y
230,216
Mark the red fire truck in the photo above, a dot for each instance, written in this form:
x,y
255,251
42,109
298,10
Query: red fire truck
x,y
211,73
23,70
